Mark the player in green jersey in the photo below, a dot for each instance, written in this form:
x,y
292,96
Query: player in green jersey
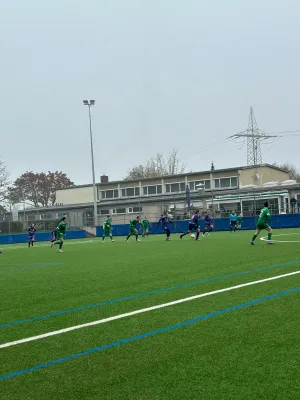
x,y
60,233
239,222
145,227
133,229
107,229
263,222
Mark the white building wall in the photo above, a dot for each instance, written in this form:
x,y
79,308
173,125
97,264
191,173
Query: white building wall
x,y
78,195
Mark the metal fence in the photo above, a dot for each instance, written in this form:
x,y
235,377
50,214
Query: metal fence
x,y
83,219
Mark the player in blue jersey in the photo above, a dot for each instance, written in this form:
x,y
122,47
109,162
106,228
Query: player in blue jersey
x,y
31,235
53,236
193,225
165,221
208,224
233,221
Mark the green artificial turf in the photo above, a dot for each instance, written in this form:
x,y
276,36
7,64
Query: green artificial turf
x,y
247,353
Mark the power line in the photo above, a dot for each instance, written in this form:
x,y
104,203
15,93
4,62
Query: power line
x,y
215,144
254,138
296,131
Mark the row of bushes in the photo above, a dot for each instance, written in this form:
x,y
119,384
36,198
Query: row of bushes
x,y
44,225
17,226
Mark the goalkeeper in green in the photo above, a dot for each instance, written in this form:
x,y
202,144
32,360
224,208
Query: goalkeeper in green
x,y
263,222
107,229
60,234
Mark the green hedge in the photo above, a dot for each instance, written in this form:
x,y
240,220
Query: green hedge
x,y
15,227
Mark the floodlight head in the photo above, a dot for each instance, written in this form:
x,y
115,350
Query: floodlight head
x,y
200,185
85,102
92,102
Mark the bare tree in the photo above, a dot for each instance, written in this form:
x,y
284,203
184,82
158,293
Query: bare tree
x,y
158,166
136,172
173,165
4,181
291,169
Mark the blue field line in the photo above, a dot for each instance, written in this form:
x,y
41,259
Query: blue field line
x,y
147,334
135,296
26,264
22,267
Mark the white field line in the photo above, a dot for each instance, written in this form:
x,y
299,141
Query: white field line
x,y
143,310
265,238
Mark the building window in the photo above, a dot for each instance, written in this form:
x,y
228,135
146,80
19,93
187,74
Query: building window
x,y
152,190
135,210
175,187
234,181
224,183
104,212
61,215
205,182
109,194
47,216
130,192
119,211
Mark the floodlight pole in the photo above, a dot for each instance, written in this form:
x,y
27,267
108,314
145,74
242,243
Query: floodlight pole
x,y
254,198
199,187
89,104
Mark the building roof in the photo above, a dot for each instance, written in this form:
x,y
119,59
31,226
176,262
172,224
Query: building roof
x,y
178,175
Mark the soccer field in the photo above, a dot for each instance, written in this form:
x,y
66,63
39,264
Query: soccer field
x,y
220,338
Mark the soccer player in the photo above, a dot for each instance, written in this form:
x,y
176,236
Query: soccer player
x,y
31,235
233,221
53,237
263,222
165,221
107,229
193,224
60,233
239,222
145,227
133,229
208,224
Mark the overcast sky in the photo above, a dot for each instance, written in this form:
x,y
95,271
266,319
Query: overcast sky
x,y
164,73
